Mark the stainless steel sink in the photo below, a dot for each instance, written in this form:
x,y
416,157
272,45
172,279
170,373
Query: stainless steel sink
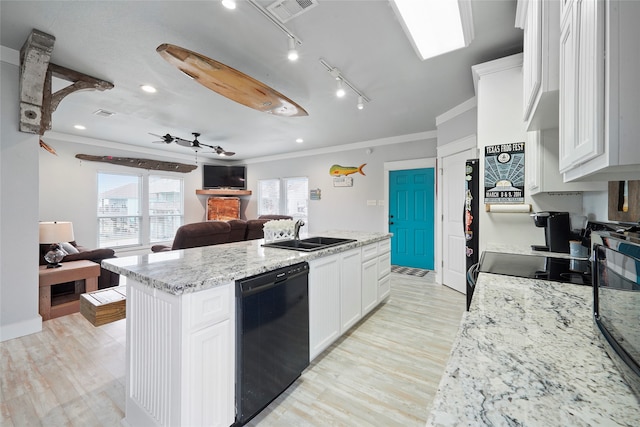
x,y
309,244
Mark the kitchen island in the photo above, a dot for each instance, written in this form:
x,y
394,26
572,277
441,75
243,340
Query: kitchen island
x,y
181,318
527,354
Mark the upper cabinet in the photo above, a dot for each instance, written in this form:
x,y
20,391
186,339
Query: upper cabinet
x,y
599,90
541,169
540,20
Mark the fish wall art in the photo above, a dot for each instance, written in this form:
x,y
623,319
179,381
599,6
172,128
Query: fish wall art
x,y
337,170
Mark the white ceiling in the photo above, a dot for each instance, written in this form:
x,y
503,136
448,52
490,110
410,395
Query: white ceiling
x,y
116,41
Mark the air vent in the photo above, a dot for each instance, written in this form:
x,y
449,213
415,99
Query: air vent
x,y
103,113
284,10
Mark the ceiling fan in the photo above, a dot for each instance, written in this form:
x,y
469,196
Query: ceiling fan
x,y
195,144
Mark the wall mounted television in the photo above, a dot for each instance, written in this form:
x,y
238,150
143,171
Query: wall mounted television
x,y
220,176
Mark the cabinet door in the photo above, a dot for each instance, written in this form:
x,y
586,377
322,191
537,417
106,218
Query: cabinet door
x,y
211,400
350,289
384,287
384,264
534,161
384,275
532,60
582,84
324,303
369,285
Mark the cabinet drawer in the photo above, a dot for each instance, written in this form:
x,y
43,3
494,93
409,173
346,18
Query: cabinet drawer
x,y
384,265
384,287
369,251
211,306
384,246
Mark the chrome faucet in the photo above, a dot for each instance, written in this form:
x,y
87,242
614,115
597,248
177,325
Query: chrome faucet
x,y
296,229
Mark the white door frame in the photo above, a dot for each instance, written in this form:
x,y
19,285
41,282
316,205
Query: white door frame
x,y
454,147
427,162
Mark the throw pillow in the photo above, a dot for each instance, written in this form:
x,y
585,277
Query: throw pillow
x,y
69,248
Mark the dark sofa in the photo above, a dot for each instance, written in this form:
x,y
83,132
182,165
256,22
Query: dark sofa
x,y
209,233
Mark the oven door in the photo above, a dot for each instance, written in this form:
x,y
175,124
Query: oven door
x,y
617,307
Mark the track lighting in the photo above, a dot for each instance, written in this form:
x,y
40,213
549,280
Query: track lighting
x,y
293,40
229,4
293,53
337,74
340,91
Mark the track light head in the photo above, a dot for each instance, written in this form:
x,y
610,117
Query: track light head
x,y
360,103
293,53
340,91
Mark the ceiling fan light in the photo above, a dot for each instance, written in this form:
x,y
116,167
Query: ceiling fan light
x,y
340,91
229,4
293,53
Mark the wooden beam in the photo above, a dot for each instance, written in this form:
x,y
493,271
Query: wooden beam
x,y
37,103
80,82
139,163
34,62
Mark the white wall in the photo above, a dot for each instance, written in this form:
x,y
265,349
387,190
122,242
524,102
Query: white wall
x,y
457,123
18,212
341,207
500,121
74,195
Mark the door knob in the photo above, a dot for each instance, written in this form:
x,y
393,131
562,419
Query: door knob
x,y
391,223
390,216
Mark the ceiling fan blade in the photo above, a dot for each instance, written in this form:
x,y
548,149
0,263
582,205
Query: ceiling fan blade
x,y
168,139
183,142
228,153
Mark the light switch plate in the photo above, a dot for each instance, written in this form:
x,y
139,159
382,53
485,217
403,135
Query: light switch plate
x,y
371,202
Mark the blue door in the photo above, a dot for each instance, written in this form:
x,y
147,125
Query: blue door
x,y
412,217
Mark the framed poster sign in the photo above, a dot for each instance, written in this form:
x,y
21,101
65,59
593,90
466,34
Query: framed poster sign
x,y
504,173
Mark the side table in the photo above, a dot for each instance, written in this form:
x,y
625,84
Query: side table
x,y
70,271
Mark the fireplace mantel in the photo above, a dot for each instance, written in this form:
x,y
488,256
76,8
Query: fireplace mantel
x,y
224,192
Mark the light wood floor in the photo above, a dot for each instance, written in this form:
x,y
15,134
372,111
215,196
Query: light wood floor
x,y
384,372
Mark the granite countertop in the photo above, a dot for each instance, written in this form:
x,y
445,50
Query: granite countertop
x,y
195,269
527,354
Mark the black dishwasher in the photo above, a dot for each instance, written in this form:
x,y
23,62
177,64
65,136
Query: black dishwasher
x,y
272,342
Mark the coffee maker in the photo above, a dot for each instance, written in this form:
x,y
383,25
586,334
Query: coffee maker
x,y
557,231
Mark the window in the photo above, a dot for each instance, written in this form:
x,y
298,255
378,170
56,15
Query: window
x,y
294,200
135,209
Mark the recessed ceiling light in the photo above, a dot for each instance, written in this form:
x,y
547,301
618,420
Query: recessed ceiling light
x,y
229,4
148,88
79,127
299,140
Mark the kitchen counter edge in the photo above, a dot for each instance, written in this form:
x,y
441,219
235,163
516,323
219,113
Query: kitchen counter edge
x,y
192,270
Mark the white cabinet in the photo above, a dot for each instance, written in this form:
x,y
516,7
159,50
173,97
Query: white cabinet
x,y
180,357
581,83
343,288
541,170
540,20
324,303
600,90
350,289
384,269
369,277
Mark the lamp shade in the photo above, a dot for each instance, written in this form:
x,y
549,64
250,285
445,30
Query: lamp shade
x,y
56,232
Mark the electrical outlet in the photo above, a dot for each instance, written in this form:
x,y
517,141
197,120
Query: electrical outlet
x,y
380,202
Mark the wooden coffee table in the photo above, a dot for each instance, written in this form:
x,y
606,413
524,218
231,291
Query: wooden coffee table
x,y
69,272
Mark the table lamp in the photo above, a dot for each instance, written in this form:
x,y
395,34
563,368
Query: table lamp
x,y
54,233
